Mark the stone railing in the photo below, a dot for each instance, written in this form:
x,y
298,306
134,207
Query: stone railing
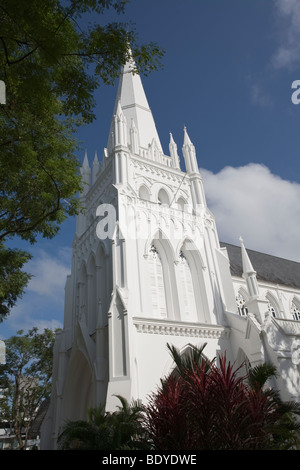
x,y
289,327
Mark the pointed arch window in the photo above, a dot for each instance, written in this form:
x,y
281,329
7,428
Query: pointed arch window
x,y
144,193
157,284
163,198
240,301
295,311
271,309
187,289
181,204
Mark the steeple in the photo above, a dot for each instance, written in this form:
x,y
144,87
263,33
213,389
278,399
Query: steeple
x,y
173,152
192,169
189,154
85,171
249,273
96,167
132,101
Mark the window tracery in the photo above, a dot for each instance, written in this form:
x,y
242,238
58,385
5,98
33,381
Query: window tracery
x,y
271,309
187,289
240,301
295,311
157,283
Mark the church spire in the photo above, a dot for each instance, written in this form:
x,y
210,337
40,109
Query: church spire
x,y
85,171
131,99
249,273
173,152
189,154
192,169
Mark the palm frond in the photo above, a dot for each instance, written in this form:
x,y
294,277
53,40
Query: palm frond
x,y
259,375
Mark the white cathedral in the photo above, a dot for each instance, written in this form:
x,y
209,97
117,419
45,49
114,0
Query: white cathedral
x,y
148,269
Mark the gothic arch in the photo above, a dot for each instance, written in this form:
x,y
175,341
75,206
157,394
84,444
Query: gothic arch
x,y
170,366
102,247
295,308
191,282
166,257
244,293
273,306
160,235
144,192
181,203
241,297
243,363
189,245
78,394
163,197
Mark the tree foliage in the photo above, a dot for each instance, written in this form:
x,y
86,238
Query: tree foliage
x,y
52,59
203,406
119,430
12,278
25,379
199,406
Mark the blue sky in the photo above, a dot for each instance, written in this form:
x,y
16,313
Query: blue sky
x,y
228,70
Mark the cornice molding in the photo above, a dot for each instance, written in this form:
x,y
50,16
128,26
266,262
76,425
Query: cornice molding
x,y
176,328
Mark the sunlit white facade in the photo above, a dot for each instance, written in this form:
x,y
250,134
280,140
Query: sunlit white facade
x,y
148,269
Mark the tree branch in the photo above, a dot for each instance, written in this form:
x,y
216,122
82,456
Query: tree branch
x,y
12,62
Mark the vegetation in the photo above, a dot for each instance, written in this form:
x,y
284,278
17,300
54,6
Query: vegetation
x,y
199,406
53,56
25,380
202,406
120,430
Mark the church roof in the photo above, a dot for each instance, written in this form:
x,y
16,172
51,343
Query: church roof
x,y
268,268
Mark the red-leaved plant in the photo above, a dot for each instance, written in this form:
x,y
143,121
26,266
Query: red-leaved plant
x,y
202,406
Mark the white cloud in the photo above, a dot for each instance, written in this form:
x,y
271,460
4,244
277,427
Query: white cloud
x,y
49,273
42,304
288,52
259,93
261,207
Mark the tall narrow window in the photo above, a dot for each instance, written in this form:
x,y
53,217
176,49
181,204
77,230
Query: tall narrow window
x,y
295,312
187,290
271,309
163,198
241,305
157,285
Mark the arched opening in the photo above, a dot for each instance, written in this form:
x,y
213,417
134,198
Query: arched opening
x,y
78,393
186,289
273,306
191,284
144,193
157,284
243,364
295,309
240,302
163,198
189,355
162,279
181,204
